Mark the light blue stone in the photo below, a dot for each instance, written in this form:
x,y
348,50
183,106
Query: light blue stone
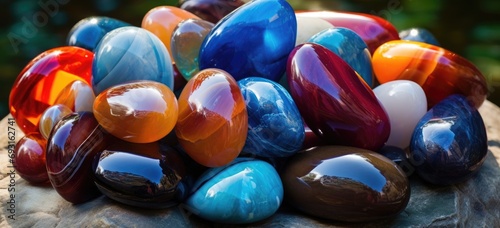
x,y
420,35
350,47
275,127
128,54
253,40
89,31
244,191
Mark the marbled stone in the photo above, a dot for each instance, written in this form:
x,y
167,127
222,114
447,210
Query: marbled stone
x,y
405,103
350,47
418,34
449,144
253,40
127,54
244,191
88,32
334,101
275,127
345,184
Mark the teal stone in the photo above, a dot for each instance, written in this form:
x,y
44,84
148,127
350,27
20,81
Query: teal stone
x,y
253,40
350,47
245,191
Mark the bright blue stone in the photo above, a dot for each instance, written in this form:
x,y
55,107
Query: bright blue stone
x,y
89,31
128,54
420,35
244,191
275,127
350,47
449,143
253,40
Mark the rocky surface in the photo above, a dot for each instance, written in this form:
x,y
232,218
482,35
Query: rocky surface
x,y
474,203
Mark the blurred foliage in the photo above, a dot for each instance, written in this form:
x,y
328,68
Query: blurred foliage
x,y
468,28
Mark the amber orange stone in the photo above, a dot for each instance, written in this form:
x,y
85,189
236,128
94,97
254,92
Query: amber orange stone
x,y
40,82
139,111
213,121
78,96
440,72
162,21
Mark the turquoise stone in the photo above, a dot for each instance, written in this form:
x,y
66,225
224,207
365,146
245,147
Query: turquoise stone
x,y
253,40
449,143
350,47
127,54
245,191
275,127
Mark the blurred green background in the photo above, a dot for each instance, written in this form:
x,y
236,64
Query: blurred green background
x,y
468,28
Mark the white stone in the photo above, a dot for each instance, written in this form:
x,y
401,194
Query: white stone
x,y
405,103
308,27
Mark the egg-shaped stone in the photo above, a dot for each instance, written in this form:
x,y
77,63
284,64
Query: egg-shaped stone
x,y
253,40
139,111
244,191
127,54
88,32
185,45
275,127
345,184
307,27
213,121
148,175
334,101
78,96
50,118
449,143
350,47
405,103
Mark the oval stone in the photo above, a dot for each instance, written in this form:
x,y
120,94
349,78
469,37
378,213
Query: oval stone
x,y
211,10
275,127
245,191
350,47
334,101
149,175
213,120
50,118
77,96
345,184
420,35
449,143
127,54
405,103
88,32
139,111
307,27
253,40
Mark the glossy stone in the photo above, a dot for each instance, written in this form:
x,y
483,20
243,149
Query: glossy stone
x,y
149,175
71,148
400,157
420,35
405,103
253,40
245,191
438,71
310,139
186,42
127,54
449,144
50,117
140,111
275,127
350,47
345,184
333,100
308,27
78,96
372,29
211,10
40,82
213,121
89,31
29,158
162,21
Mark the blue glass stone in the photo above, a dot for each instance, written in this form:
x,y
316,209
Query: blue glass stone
x,y
275,127
253,40
89,31
350,47
128,54
449,143
420,35
245,191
